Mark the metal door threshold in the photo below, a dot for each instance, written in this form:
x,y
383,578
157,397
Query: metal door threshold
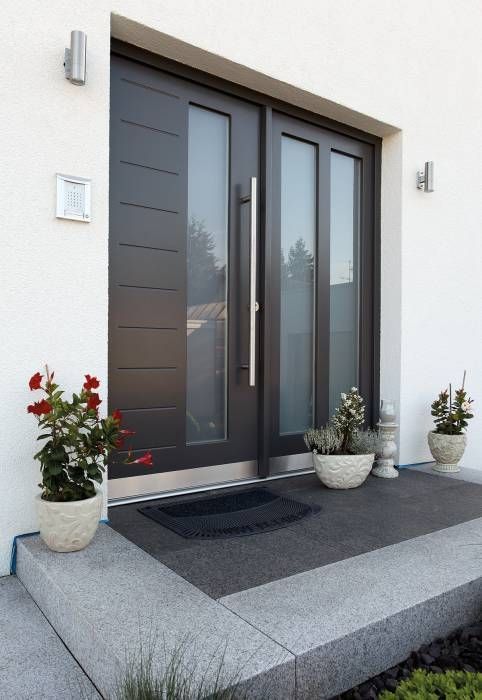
x,y
118,501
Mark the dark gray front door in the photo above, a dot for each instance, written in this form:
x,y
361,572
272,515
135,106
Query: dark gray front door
x,y
182,161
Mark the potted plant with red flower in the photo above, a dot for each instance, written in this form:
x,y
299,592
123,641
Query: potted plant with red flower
x,y
73,458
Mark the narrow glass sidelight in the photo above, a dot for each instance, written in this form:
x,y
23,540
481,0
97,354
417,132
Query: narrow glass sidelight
x,y
344,274
298,236
207,276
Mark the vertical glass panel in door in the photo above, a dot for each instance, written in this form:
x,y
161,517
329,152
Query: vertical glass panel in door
x,y
207,272
344,276
298,235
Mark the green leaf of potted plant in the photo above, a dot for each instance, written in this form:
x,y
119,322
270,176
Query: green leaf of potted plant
x,y
343,455
73,458
448,441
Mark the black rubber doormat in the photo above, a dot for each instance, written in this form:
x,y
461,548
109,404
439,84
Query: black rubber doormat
x,y
230,515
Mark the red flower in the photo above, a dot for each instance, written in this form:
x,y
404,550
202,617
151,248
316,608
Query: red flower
x,y
145,459
91,382
123,434
34,382
39,407
117,415
93,401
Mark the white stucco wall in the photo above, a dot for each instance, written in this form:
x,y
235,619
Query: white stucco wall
x,y
410,70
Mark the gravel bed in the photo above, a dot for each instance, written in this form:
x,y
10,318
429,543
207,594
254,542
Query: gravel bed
x,y
461,650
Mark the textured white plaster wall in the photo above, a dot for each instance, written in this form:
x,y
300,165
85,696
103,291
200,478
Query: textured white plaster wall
x,y
411,64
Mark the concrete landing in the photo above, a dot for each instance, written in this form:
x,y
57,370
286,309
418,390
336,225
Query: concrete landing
x,y
381,512
34,664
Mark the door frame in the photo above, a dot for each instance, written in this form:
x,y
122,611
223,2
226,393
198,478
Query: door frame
x,y
369,332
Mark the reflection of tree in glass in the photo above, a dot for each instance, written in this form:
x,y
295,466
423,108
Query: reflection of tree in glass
x,y
206,278
300,265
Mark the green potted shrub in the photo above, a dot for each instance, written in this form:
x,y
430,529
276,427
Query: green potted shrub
x,y
73,457
343,454
448,441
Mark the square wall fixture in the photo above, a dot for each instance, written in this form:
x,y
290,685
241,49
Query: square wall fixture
x,y
73,198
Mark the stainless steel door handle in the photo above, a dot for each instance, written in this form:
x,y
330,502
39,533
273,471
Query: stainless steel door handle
x,y
252,198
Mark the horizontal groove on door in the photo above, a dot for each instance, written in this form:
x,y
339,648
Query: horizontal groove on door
x,y
149,87
147,247
141,286
146,328
151,128
147,368
148,167
145,206
153,408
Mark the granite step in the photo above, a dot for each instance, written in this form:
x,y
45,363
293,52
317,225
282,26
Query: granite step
x,y
34,664
348,621
310,636
112,605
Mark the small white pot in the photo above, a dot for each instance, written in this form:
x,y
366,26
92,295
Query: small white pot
x,y
447,450
69,526
342,471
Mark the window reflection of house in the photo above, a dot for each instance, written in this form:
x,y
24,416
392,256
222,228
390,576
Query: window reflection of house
x,y
206,337
206,332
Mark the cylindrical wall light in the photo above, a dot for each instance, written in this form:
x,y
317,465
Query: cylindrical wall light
x,y
75,60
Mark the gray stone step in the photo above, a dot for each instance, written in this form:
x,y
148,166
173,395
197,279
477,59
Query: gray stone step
x,y
353,619
34,664
321,631
113,604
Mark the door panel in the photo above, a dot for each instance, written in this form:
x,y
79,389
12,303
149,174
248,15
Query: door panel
x,y
182,158
321,193
178,309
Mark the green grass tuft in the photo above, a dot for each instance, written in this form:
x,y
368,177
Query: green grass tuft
x,y
451,685
178,681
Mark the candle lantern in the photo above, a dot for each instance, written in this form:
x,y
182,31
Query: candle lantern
x,y
387,427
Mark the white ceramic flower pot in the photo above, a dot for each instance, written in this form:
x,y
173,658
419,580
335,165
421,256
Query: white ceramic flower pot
x,y
447,450
69,526
342,471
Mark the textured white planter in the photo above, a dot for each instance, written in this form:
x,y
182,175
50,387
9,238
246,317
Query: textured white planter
x,y
342,471
69,526
447,450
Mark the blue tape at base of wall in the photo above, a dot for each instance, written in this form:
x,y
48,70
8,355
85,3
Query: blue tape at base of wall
x,y
13,555
415,464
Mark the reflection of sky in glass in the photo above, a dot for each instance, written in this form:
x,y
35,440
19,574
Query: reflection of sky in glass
x,y
342,257
208,157
298,194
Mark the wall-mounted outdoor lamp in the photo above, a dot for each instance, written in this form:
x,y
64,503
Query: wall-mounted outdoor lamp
x,y
425,177
75,58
